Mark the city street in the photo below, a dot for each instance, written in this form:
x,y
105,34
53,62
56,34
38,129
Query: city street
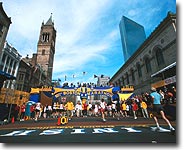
x,y
87,130
108,66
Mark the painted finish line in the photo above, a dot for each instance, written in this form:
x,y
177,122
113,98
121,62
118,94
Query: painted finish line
x,y
80,131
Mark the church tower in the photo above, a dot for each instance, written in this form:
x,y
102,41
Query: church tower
x,y
46,49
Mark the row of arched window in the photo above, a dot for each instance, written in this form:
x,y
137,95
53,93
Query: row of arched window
x,y
125,79
45,37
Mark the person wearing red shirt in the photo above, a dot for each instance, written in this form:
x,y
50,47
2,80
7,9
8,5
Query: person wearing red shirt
x,y
22,111
84,109
32,109
134,108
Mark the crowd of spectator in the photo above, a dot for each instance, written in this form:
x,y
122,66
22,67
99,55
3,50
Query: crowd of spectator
x,y
136,106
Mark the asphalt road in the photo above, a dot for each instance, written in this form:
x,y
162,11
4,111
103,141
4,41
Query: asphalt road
x,y
87,130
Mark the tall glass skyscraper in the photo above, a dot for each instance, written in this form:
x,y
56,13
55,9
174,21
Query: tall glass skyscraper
x,y
132,36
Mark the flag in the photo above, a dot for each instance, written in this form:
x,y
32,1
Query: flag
x,y
59,79
84,72
65,77
95,76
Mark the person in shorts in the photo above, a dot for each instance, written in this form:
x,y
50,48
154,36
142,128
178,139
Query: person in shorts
x,y
158,109
103,108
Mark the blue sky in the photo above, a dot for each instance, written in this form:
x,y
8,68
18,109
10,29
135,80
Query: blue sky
x,y
88,38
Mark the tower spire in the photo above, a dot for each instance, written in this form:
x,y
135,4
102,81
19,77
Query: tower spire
x,y
50,22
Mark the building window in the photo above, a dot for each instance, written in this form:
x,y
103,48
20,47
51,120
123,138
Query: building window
x,y
1,27
4,57
14,66
148,65
139,70
133,76
119,82
45,37
11,63
5,69
21,77
8,61
43,52
127,78
1,30
159,56
19,87
3,61
123,80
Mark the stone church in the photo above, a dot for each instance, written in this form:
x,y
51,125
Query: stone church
x,y
37,70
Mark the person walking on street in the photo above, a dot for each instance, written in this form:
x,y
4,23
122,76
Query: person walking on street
x,y
102,108
69,107
124,108
37,110
116,100
22,112
78,109
144,109
134,109
158,109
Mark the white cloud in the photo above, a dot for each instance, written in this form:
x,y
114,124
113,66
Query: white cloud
x,y
132,12
76,29
78,56
87,30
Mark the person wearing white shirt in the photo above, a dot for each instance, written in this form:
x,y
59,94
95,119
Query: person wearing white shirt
x,y
102,108
37,109
78,109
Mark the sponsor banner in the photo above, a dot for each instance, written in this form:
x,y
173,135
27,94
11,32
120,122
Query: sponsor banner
x,y
164,82
170,80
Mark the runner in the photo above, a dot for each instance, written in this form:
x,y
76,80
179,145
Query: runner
x,y
158,109
69,107
78,109
22,111
116,100
37,109
102,108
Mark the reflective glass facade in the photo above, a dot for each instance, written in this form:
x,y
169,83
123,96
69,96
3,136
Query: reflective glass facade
x,y
132,36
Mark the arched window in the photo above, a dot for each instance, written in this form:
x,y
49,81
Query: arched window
x,y
139,70
127,78
4,58
43,52
123,80
45,37
133,76
148,64
159,56
119,82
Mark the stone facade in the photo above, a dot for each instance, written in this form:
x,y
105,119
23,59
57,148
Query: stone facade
x,y
157,52
9,63
36,71
5,22
46,48
29,75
